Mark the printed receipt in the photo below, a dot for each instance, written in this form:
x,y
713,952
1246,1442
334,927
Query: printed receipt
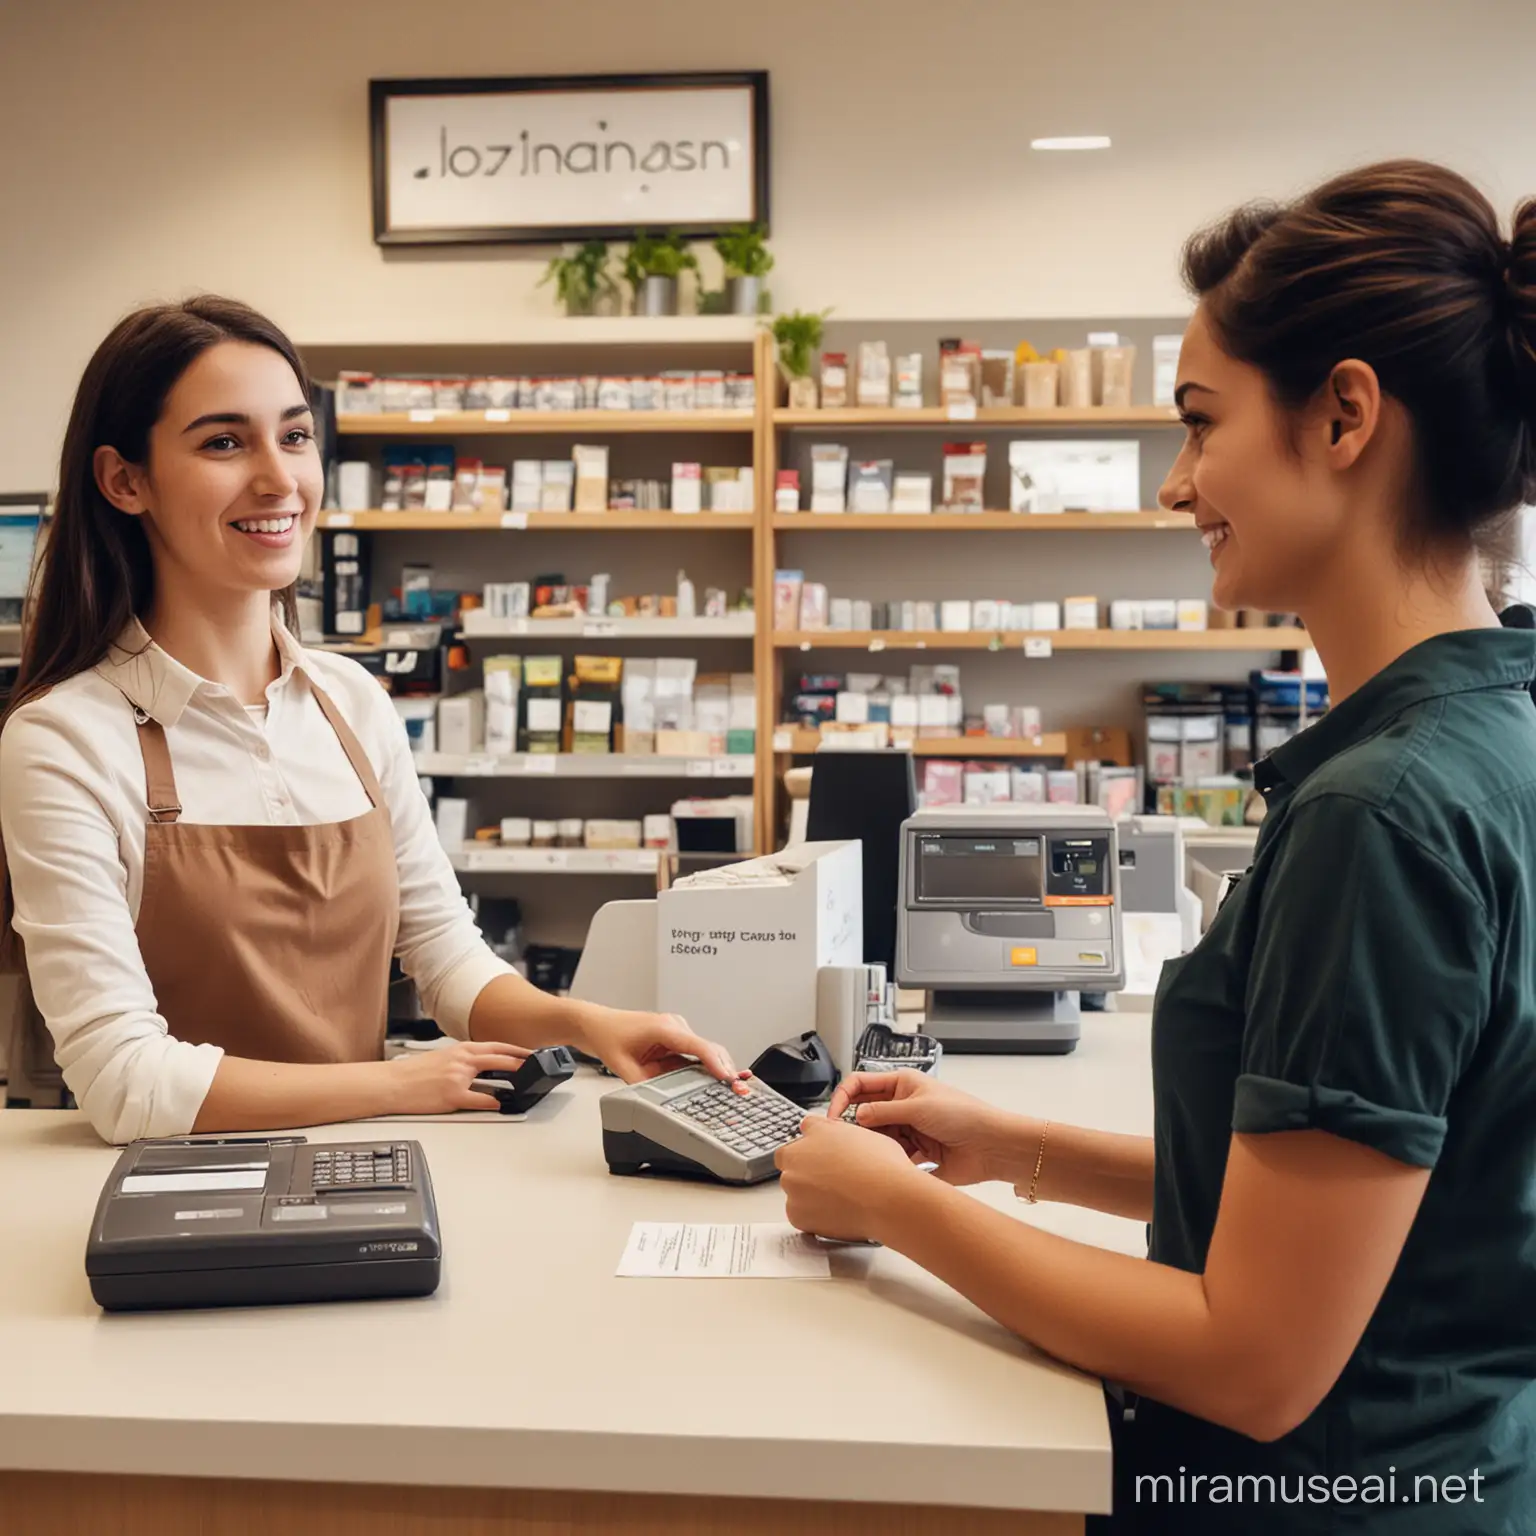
x,y
763,1250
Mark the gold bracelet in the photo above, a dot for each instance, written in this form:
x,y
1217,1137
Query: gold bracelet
x,y
1031,1198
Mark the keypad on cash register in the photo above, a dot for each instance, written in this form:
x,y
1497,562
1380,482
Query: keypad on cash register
x,y
356,1167
751,1125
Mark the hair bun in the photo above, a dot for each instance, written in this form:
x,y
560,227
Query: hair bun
x,y
1520,288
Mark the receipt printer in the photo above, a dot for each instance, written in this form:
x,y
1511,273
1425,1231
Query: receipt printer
x,y
252,1221
1006,914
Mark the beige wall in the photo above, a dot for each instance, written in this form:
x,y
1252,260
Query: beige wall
x,y
152,147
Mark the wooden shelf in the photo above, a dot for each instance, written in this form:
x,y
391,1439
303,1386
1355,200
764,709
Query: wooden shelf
x,y
1141,416
981,522
563,522
583,765
478,624
1051,744
1265,640
413,424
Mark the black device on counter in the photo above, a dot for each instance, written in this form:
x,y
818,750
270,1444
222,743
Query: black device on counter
x,y
252,1221
801,1069
883,1049
517,1092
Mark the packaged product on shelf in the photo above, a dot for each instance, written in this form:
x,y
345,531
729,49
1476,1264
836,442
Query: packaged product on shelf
x,y
1061,786
786,490
590,386
852,708
590,470
597,594
675,677
965,477
787,587
984,783
909,381
1080,613
1118,790
1074,475
656,830
717,602
925,615
987,614
542,709
863,615
596,690
812,709
557,485
1126,613
347,579
934,715
1115,368
448,395
904,712
996,378
613,394
638,696
712,703
943,782
829,477
645,393
413,484
997,719
419,716
834,380
452,817
709,390
1026,786
813,605
687,603
357,393
1019,616
912,493
503,682
1192,613
394,396
527,485
869,486
1159,613
354,485
1165,368
466,484
1077,376
501,394
1040,385
686,487
416,590
686,743
1026,722
569,832
959,374
740,392
461,724
477,394
908,616
516,831
1045,615
392,492
840,613
955,614
491,490
438,495
873,389
421,394
545,833
678,390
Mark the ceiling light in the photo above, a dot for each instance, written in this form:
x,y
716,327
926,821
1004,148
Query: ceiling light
x,y
1085,141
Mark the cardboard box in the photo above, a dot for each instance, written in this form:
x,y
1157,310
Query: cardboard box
x,y
461,724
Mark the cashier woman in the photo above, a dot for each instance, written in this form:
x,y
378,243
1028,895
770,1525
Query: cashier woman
x,y
216,839
1341,1182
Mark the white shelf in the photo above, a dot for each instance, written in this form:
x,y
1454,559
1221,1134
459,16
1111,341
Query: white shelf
x,y
734,626
491,860
580,765
561,330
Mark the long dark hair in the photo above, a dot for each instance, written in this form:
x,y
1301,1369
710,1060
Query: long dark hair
x,y
1402,265
96,572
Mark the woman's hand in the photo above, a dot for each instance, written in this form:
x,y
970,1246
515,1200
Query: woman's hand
x,y
635,1046
436,1082
838,1180
929,1121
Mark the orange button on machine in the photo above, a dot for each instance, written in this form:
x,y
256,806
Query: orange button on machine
x,y
1023,957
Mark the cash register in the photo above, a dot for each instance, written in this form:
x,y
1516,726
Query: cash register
x,y
1006,914
248,1221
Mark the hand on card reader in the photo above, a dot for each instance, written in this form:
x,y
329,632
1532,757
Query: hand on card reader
x,y
517,1092
688,1122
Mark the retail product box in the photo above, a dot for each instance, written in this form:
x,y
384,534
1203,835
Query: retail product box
x,y
1126,613
912,493
687,487
610,834
1061,786
1026,786
1046,615
965,477
874,379
829,477
461,724
985,784
503,684
557,485
516,831
591,477
943,782
739,950
1074,475
955,615
787,588
452,818
419,716
1193,613
1080,613
543,713
1160,613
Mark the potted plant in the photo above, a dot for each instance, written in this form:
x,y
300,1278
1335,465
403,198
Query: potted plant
x,y
652,266
744,251
798,336
582,280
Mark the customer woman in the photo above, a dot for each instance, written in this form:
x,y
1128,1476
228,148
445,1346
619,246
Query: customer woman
x,y
216,838
1340,1298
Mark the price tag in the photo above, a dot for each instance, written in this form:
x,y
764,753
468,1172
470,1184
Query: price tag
x,y
963,410
805,645
727,768
421,415
599,629
783,741
497,413
514,519
1038,648
877,644
482,766
339,520
700,768
536,763
482,861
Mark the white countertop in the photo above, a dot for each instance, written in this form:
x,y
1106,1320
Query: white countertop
x,y
533,1366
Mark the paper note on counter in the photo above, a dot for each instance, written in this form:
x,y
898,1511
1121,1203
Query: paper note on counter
x,y
762,1250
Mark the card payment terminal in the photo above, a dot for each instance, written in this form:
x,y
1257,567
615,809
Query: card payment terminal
x,y
249,1221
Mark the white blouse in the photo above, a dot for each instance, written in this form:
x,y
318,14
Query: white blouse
x,y
72,816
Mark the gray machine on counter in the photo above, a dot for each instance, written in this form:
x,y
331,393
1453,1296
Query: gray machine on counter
x,y
1006,914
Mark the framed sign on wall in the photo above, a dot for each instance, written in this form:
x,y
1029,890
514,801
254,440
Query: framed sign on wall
x,y
541,159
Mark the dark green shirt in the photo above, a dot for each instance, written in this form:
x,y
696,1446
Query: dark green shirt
x,y
1373,975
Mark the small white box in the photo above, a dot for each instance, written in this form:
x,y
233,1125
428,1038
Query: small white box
x,y
987,614
904,712
932,710
852,708
1160,613
1045,616
1061,787
1081,613
1193,613
354,485
557,485
516,831
925,615
985,785
1125,613
840,613
461,724
656,830
997,719
1027,786
452,817
955,615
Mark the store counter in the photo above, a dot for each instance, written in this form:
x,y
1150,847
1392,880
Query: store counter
x,y
536,1390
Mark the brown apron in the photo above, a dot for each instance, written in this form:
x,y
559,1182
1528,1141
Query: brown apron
x,y
273,942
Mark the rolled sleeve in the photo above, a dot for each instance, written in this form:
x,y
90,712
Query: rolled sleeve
x,y
1368,989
